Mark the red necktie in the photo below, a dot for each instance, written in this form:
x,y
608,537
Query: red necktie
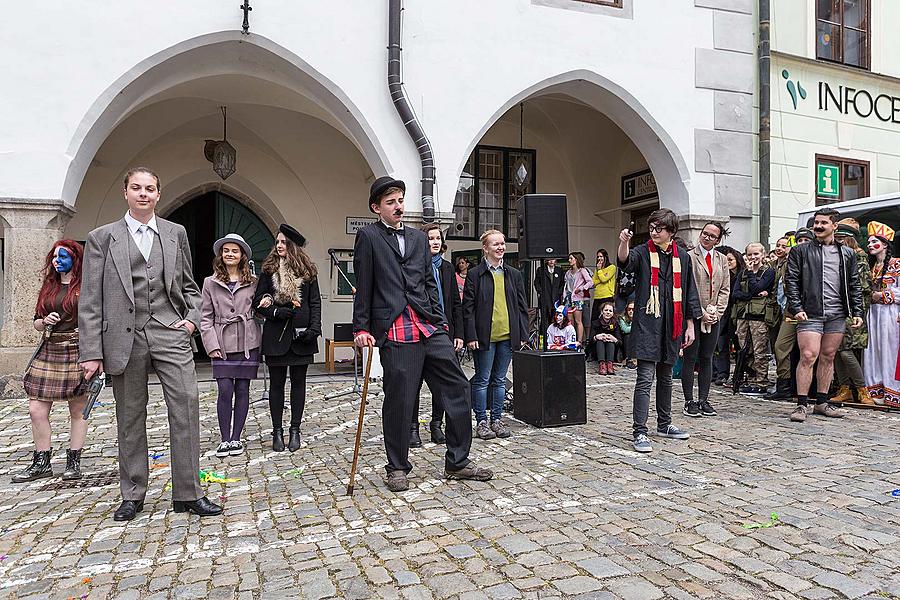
x,y
709,267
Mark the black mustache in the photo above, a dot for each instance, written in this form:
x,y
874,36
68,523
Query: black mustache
x,y
818,229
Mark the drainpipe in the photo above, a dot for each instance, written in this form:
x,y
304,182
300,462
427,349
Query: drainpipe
x,y
398,97
765,125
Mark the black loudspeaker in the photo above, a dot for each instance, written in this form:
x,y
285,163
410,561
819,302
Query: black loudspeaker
x,y
549,388
543,226
343,332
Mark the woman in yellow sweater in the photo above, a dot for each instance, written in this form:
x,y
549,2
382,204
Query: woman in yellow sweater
x,y
604,291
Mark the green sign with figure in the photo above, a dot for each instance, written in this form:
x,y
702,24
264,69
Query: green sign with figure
x,y
828,181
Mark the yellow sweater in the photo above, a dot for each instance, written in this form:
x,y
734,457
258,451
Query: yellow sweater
x,y
605,282
500,314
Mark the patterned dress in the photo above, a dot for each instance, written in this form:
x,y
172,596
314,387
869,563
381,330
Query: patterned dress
x,y
881,366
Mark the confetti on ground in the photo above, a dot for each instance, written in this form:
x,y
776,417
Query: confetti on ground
x,y
213,477
771,523
167,487
896,493
295,472
4,557
156,455
159,465
87,580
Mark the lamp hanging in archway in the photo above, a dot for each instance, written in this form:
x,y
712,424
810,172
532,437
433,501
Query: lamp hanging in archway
x,y
520,170
220,153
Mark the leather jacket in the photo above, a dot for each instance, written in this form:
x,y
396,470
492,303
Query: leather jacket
x,y
803,281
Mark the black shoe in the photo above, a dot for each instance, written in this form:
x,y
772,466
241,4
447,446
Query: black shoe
x,y
294,441
278,439
73,465
691,409
414,440
437,436
752,390
782,390
40,468
128,510
202,507
707,410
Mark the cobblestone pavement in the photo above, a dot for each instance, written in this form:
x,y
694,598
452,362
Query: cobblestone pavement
x,y
571,512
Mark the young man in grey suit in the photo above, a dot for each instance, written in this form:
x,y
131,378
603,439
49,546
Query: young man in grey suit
x,y
396,307
139,308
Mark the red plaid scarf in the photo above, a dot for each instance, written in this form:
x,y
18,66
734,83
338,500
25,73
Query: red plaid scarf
x,y
653,307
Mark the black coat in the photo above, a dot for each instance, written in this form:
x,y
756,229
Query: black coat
x,y
387,282
478,305
549,289
278,329
653,335
451,298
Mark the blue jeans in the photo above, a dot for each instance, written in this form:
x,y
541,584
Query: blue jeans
x,y
491,365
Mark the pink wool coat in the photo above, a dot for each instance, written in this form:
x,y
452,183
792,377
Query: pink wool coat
x,y
226,318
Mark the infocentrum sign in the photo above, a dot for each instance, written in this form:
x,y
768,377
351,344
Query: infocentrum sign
x,y
848,100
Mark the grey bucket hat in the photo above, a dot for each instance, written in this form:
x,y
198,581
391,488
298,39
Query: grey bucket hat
x,y
233,238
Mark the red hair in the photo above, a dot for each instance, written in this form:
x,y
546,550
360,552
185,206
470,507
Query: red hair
x,y
52,281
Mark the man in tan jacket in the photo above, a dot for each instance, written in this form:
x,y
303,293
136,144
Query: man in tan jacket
x,y
713,286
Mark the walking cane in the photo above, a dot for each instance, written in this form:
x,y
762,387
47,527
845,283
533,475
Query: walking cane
x,y
359,425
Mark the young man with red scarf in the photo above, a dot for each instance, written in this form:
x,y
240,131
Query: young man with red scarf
x,y
666,305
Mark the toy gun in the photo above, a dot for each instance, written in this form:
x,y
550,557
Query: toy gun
x,y
95,386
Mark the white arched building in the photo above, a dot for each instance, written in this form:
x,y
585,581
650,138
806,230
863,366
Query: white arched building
x,y
585,93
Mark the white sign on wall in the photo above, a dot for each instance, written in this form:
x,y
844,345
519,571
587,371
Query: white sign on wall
x,y
354,224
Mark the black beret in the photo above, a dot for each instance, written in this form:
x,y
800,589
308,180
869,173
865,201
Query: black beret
x,y
380,185
292,234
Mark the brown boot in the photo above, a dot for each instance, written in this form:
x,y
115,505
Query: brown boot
x,y
864,397
610,368
602,367
845,394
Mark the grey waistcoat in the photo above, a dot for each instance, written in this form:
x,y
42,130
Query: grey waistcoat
x,y
150,298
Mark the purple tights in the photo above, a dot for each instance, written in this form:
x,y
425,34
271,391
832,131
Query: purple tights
x,y
239,389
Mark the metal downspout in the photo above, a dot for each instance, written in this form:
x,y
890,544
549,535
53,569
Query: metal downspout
x,y
398,97
765,125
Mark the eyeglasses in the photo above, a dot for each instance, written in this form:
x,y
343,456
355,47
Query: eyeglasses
x,y
656,228
709,236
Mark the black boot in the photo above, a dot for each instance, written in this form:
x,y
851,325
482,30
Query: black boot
x,y
278,439
40,467
73,465
437,436
294,441
414,440
782,390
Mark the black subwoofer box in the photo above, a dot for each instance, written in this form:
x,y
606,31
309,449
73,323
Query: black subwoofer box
x,y
549,388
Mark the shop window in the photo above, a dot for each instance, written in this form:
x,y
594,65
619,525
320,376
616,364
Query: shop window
x,y
489,189
838,179
842,31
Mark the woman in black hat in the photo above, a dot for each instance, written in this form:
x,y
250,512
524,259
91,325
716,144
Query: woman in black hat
x,y
293,324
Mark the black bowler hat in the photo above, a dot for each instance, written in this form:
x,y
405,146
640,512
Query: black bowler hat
x,y
380,185
292,234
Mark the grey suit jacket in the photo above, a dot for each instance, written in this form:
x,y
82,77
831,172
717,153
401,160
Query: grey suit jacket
x,y
106,304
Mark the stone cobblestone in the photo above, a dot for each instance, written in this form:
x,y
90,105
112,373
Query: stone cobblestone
x,y
572,512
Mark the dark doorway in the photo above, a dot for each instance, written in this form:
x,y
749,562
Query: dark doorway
x,y
209,217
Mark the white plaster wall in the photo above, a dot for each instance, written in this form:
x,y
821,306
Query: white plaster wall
x,y
465,63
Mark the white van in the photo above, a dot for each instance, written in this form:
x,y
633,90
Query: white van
x,y
884,209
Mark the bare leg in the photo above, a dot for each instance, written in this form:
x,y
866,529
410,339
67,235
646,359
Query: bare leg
x,y
39,412
810,343
825,370
79,426
579,328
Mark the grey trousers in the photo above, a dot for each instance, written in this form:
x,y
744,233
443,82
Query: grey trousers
x,y
645,372
168,352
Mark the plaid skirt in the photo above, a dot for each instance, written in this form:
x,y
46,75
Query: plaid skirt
x,y
55,374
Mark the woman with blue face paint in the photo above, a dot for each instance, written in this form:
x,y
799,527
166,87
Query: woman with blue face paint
x,y
54,374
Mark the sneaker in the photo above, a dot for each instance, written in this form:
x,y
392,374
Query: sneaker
x,y
500,429
707,410
752,390
483,432
471,472
673,432
827,410
642,443
223,450
691,409
397,481
799,414
237,448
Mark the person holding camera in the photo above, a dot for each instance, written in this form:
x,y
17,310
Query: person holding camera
x,y
287,295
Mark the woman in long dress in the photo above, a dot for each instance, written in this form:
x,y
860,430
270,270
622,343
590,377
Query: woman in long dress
x,y
881,361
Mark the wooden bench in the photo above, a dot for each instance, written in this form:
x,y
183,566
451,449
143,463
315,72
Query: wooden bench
x,y
330,345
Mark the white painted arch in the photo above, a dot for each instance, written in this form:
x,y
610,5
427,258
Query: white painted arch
x,y
615,102
221,53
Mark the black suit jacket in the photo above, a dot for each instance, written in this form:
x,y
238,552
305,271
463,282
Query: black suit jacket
x,y
549,289
478,305
452,300
387,282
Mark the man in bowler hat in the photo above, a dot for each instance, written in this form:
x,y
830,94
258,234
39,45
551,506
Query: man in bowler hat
x,y
398,311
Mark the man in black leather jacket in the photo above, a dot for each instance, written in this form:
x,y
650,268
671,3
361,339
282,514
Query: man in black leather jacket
x,y
822,289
